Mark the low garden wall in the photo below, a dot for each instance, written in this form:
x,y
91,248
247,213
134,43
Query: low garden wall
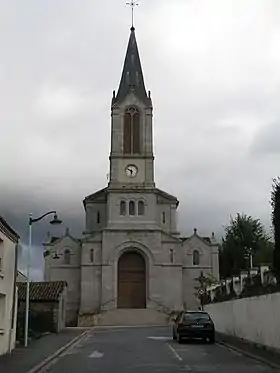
x,y
255,319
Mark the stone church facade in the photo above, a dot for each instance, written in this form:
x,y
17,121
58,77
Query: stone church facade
x,y
131,255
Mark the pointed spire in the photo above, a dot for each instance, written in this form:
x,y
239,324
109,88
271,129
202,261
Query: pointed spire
x,y
132,79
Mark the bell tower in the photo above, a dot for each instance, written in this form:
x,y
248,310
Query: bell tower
x,y
131,157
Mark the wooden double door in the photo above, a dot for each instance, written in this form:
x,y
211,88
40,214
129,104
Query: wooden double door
x,y
131,280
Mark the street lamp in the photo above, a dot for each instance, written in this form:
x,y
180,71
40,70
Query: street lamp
x,y
54,221
249,257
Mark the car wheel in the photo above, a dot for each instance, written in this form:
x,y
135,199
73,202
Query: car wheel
x,y
212,339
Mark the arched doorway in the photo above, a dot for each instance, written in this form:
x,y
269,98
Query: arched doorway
x,y
131,280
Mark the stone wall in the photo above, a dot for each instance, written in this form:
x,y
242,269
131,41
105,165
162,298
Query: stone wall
x,y
87,320
254,319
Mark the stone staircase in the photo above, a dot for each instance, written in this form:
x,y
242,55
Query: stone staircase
x,y
132,317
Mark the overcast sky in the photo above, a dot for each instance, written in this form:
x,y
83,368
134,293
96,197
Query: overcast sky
x,y
213,69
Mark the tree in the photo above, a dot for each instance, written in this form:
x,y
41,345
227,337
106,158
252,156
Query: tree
x,y
243,236
275,203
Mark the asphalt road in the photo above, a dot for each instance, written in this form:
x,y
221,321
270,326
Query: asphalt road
x,y
149,350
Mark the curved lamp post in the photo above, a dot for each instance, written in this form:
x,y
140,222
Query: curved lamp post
x,y
54,221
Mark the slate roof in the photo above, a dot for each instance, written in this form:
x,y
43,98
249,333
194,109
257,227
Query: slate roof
x,y
132,76
42,291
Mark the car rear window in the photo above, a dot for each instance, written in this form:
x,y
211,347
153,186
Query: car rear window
x,y
196,315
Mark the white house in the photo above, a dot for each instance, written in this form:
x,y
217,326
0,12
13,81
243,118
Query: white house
x,y
8,290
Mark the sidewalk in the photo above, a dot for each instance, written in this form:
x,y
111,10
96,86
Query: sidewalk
x,y
252,350
23,359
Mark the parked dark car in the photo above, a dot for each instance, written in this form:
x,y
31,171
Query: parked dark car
x,y
192,325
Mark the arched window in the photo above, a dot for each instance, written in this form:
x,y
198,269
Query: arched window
x,y
196,258
123,208
91,255
131,132
171,255
67,256
141,208
163,217
98,217
131,208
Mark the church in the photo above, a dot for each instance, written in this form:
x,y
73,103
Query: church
x,y
131,266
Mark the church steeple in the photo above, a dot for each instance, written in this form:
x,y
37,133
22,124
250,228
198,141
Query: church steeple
x,y
131,157
132,79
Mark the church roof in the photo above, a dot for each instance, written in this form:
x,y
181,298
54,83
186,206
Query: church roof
x,y
207,240
99,196
54,239
167,196
132,79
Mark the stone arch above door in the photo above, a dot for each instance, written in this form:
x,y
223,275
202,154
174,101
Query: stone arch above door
x,y
132,245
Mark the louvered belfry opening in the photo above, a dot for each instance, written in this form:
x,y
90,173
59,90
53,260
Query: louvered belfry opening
x,y
131,132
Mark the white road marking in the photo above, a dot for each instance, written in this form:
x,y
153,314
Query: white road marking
x,y
160,338
175,352
188,368
96,355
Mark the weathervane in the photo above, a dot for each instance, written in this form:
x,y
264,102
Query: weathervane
x,y
133,4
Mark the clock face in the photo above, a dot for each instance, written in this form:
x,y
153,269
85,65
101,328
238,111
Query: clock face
x,y
131,171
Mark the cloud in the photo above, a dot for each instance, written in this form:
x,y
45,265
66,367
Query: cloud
x,y
59,102
266,141
213,69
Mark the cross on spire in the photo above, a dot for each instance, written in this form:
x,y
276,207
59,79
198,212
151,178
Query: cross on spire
x,y
133,4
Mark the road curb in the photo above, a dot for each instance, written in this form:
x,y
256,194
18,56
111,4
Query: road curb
x,y
105,327
249,354
50,358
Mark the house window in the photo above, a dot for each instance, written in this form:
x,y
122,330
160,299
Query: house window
x,y
141,208
98,217
123,208
131,132
67,256
196,258
91,255
131,208
163,218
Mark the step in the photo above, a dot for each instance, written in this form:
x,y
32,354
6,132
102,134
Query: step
x,y
132,317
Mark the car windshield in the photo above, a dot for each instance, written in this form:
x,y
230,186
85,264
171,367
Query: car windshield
x,y
196,315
